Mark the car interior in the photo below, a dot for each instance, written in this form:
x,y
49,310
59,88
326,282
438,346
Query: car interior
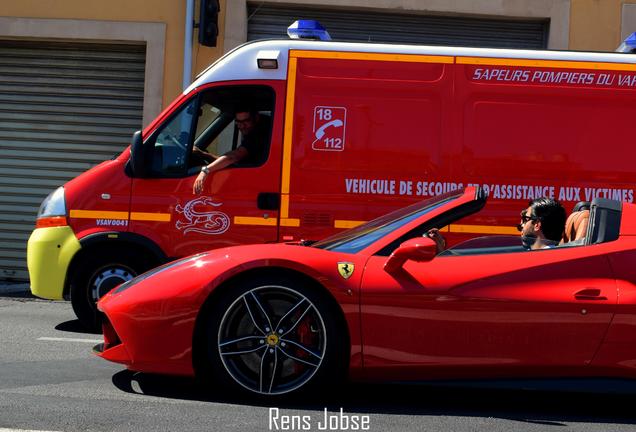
x,y
588,224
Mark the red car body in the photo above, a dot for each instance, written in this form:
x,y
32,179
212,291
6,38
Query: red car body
x,y
480,313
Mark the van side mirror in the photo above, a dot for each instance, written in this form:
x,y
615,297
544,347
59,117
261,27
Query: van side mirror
x,y
137,159
420,249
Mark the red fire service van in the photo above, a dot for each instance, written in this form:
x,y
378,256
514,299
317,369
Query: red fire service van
x,y
353,130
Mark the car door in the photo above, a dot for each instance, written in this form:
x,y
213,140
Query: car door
x,y
525,313
239,204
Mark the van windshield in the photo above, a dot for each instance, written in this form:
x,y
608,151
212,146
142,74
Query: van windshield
x,y
358,238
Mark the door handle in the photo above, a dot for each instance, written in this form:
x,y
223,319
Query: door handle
x,y
268,201
589,294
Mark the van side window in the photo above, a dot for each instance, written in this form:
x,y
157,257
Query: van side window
x,y
217,131
171,147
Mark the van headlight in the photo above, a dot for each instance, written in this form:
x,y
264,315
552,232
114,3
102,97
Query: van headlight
x,y
52,211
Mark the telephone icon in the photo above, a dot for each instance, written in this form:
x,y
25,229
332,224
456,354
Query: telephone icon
x,y
320,132
329,128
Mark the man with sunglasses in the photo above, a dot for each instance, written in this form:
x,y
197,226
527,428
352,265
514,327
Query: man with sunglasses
x,y
255,131
542,223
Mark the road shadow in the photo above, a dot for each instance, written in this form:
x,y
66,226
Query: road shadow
x,y
554,403
74,326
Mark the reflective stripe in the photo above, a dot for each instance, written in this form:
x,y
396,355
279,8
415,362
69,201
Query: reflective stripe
x,y
97,214
284,205
411,58
545,63
289,124
347,223
467,229
290,222
483,229
245,220
157,217
136,216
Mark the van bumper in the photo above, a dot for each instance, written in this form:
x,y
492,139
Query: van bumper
x,y
49,253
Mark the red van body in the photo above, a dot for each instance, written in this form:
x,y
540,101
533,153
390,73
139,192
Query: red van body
x,y
357,130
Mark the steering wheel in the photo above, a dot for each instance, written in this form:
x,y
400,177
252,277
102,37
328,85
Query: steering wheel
x,y
196,159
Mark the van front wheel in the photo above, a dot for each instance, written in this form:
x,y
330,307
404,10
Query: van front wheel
x,y
97,275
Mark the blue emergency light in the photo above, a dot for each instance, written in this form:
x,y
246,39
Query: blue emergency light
x,y
628,45
308,29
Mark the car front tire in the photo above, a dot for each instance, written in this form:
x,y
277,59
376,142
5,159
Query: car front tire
x,y
274,336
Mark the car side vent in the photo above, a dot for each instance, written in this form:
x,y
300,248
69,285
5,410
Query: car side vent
x,y
316,219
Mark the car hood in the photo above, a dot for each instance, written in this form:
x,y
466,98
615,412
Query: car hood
x,y
194,277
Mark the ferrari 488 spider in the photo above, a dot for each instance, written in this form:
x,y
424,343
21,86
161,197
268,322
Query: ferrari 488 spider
x,y
378,302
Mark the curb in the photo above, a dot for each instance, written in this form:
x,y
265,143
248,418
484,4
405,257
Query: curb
x,y
15,288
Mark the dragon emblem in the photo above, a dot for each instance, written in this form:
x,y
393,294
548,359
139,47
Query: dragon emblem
x,y
201,218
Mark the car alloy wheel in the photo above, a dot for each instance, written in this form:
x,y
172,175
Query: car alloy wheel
x,y
272,340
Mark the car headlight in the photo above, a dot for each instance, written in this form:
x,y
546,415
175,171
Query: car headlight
x,y
52,211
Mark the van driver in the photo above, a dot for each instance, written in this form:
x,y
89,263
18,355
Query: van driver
x,y
255,131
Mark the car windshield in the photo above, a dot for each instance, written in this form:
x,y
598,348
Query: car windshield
x,y
358,238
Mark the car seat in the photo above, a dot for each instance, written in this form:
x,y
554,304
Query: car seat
x,y
576,226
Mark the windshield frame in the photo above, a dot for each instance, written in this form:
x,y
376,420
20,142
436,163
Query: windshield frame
x,y
363,236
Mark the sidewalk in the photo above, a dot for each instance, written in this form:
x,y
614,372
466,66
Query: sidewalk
x,y
14,289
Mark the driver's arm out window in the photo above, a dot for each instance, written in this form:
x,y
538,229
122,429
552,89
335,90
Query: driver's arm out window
x,y
217,132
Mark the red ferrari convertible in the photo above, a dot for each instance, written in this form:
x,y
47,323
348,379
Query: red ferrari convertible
x,y
378,302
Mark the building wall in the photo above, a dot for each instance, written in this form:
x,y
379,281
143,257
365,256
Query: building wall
x,y
595,25
558,11
112,20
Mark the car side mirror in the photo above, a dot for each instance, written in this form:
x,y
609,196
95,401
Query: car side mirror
x,y
420,249
137,159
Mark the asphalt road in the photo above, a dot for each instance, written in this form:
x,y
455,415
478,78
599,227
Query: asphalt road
x,y
50,381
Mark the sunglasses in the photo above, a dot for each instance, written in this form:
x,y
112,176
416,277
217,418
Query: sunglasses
x,y
524,219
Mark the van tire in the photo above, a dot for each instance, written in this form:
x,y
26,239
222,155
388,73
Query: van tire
x,y
96,275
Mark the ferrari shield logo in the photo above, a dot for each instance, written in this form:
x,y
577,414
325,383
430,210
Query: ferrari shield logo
x,y
345,269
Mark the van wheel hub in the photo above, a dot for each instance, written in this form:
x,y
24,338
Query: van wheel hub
x,y
109,278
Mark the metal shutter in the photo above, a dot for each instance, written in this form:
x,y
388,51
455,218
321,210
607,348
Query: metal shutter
x,y
271,21
64,107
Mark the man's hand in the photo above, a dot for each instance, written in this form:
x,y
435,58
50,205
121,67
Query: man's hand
x,y
197,188
439,240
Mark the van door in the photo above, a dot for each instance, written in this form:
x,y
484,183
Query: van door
x,y
239,204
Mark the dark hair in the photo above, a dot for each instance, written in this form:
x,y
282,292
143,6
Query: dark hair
x,y
552,216
246,108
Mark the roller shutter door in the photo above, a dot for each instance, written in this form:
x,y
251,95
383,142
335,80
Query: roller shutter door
x,y
271,21
64,107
